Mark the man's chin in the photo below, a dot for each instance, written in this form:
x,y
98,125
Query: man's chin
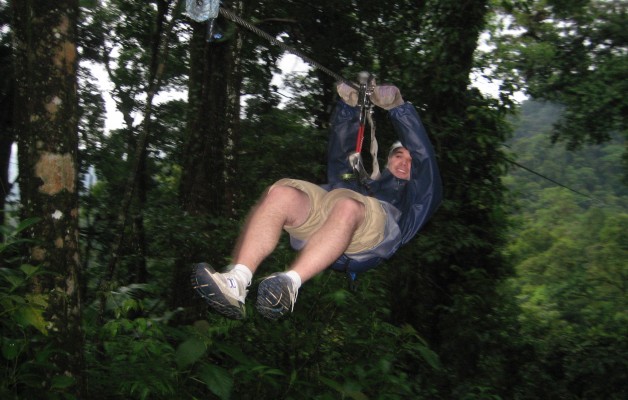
x,y
405,177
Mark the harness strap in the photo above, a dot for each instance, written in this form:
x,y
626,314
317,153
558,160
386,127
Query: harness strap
x,y
374,148
365,81
366,87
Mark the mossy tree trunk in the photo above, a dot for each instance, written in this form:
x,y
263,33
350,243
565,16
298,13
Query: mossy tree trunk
x,y
46,126
206,189
6,116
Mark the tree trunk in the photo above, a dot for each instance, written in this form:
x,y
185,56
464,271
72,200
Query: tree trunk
x,y
6,129
207,180
47,130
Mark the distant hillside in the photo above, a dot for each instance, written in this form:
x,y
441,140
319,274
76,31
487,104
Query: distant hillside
x,y
593,170
535,117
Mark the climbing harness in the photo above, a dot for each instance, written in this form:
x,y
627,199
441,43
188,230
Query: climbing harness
x,y
367,85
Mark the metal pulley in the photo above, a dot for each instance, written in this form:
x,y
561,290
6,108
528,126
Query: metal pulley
x,y
204,10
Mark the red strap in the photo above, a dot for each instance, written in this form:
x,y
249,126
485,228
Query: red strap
x,y
358,144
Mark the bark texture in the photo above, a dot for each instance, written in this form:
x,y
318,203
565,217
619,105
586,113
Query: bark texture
x,y
45,121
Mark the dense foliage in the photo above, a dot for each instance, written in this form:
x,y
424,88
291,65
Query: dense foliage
x,y
515,290
574,53
570,254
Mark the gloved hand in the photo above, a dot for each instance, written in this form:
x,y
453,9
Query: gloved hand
x,y
386,97
348,94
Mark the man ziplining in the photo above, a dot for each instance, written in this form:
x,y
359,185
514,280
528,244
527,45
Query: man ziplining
x,y
348,224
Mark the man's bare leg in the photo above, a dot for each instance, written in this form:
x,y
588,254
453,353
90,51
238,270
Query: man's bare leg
x,y
226,292
277,294
331,240
281,206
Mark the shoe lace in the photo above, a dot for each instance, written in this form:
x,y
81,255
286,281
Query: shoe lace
x,y
293,295
240,291
290,289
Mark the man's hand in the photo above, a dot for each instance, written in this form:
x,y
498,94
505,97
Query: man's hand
x,y
348,94
386,97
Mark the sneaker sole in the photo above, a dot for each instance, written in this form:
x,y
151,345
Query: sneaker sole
x,y
207,288
271,309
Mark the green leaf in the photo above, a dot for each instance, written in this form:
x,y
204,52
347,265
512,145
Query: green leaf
x,y
28,269
430,357
352,394
218,380
11,300
40,300
25,224
62,382
30,316
338,297
12,277
331,383
189,352
11,348
237,354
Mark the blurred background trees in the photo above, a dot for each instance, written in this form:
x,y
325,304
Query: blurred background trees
x,y
515,290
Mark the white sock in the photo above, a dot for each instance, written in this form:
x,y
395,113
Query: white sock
x,y
296,279
243,273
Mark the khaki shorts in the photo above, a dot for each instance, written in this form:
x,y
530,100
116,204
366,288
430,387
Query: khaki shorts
x,y
368,235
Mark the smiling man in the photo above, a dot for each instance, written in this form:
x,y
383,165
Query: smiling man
x,y
347,224
399,161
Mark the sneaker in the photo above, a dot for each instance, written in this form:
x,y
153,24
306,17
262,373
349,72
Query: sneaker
x,y
276,296
223,292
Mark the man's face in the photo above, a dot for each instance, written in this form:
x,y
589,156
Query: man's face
x,y
399,163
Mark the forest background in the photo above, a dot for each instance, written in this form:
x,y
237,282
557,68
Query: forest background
x,y
515,290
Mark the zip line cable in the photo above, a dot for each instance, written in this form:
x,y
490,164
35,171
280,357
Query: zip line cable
x,y
551,180
231,16
236,19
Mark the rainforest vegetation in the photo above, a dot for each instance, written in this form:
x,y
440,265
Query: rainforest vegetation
x,y
131,148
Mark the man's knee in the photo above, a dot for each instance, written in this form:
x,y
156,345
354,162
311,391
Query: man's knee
x,y
292,203
281,193
348,209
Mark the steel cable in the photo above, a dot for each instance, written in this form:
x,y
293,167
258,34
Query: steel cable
x,y
231,16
